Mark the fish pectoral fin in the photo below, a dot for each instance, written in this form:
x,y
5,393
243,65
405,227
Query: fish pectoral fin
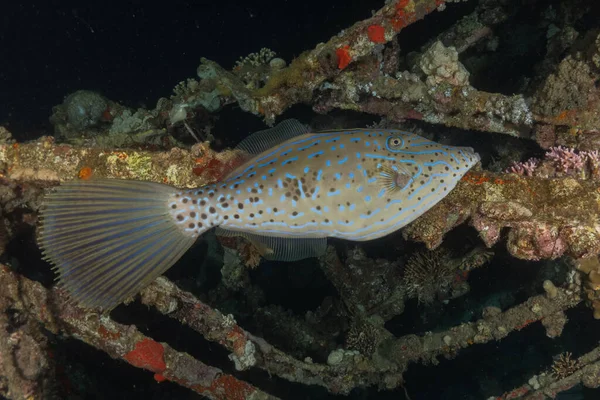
x,y
394,180
281,248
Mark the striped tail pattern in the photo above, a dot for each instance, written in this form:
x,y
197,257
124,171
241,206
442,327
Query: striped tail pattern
x,y
108,239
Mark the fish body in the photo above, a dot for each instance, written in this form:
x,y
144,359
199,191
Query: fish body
x,y
336,184
110,238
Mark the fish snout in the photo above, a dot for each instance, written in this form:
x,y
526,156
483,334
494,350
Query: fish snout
x,y
468,156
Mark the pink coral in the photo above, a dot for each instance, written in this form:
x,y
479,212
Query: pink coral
x,y
523,168
565,159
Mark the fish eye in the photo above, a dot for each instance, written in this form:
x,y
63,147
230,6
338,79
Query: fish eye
x,y
394,143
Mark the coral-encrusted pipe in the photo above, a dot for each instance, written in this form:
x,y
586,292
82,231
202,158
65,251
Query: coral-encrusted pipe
x,y
545,217
308,71
124,342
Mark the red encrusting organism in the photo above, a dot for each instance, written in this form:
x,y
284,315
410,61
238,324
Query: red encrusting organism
x,y
376,33
147,354
343,55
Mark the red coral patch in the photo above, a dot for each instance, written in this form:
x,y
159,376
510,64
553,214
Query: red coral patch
x,y
148,354
343,55
376,33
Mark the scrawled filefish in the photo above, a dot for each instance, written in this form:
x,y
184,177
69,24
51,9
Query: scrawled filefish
x,y
108,239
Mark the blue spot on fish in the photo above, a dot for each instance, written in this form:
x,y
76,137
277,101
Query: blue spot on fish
x,y
289,160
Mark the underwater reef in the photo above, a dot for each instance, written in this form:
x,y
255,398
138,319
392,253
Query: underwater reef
x,y
494,293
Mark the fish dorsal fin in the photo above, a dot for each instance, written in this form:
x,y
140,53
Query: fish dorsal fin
x,y
265,139
281,248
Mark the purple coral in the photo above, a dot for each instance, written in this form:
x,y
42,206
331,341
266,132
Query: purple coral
x,y
566,160
523,168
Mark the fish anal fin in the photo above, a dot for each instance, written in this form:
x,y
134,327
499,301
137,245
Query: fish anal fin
x,y
281,248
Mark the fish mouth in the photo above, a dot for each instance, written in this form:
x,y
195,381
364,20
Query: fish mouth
x,y
469,155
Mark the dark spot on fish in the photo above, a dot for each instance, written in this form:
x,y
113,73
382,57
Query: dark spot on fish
x,y
271,220
211,194
446,168
185,200
240,206
202,202
180,217
288,194
203,216
326,221
295,213
226,217
260,211
236,216
275,209
251,215
295,198
212,210
256,199
195,201
225,205
193,214
174,206
192,225
318,207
